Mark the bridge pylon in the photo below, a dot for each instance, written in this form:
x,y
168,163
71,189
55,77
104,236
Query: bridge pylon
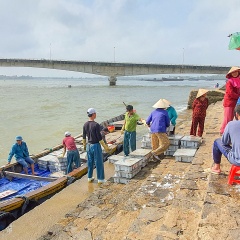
x,y
112,81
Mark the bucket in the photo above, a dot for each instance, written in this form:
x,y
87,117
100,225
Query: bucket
x,y
111,128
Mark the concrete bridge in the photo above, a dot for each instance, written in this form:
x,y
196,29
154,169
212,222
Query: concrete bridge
x,y
113,70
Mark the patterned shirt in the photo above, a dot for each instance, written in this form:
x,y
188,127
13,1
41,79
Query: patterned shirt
x,y
200,107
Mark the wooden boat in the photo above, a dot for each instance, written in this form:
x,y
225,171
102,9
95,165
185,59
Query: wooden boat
x,y
13,206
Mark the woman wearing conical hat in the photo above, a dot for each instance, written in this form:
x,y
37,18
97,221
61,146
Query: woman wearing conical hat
x,y
158,121
199,107
231,96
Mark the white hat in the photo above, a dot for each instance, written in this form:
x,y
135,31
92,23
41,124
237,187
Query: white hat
x,y
201,92
91,111
167,102
160,104
67,134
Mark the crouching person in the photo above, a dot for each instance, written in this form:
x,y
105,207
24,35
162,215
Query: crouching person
x,y
228,145
20,151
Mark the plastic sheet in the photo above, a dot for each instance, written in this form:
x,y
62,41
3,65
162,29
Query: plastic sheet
x,y
23,186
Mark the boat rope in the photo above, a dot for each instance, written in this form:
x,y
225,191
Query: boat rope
x,y
5,219
70,180
28,204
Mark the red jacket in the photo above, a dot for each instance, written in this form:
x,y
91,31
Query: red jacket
x,y
231,95
200,107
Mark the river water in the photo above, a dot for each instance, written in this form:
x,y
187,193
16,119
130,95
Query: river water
x,y
41,110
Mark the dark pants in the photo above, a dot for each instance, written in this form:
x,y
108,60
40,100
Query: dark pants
x,y
219,149
197,122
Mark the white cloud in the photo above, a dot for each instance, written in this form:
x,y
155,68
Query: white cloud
x,y
142,31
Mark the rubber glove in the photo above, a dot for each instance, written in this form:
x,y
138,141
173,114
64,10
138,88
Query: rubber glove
x,y
106,148
122,131
84,144
144,122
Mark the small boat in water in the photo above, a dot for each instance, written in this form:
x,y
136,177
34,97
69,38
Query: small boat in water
x,y
19,192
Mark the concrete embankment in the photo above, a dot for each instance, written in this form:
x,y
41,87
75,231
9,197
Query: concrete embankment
x,y
166,200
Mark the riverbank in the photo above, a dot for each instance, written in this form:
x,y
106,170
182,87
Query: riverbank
x,y
166,200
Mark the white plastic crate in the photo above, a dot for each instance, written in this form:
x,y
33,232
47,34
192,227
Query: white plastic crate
x,y
127,165
115,158
121,180
56,153
173,148
124,174
146,138
169,153
191,142
146,144
175,139
184,154
141,153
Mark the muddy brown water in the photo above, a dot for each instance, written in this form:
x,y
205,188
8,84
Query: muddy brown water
x,y
33,224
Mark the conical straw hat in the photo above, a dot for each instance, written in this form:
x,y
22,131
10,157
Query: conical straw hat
x,y
160,104
233,69
167,102
201,91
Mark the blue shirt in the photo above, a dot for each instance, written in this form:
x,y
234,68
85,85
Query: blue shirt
x,y
231,137
19,151
158,121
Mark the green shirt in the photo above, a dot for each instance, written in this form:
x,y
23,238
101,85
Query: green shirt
x,y
131,122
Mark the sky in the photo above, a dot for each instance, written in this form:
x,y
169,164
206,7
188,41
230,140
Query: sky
x,y
134,31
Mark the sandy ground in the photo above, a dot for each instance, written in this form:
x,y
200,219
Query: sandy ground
x,y
166,200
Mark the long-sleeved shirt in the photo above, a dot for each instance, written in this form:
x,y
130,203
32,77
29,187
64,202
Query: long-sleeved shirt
x,y
200,107
91,129
19,151
231,137
172,115
231,95
158,121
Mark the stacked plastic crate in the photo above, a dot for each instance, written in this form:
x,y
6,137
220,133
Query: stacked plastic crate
x,y
146,141
127,167
54,162
175,142
189,146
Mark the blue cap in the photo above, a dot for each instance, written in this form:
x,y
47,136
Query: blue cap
x,y
18,138
238,101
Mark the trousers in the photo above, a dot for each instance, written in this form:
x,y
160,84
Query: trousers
x,y
129,141
160,143
73,157
94,154
197,123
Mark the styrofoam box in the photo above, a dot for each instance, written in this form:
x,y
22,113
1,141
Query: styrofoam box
x,y
173,148
175,139
56,153
115,158
127,174
127,165
83,156
62,159
191,142
146,138
46,158
169,153
184,154
141,153
146,144
121,180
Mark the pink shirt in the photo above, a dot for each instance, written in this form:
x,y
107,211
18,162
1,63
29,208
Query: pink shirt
x,y
69,142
